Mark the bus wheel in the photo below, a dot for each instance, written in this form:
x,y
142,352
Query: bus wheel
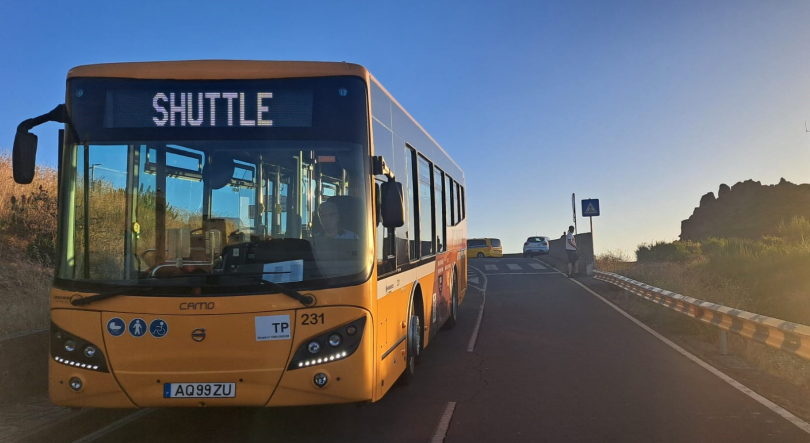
x,y
414,347
480,255
451,321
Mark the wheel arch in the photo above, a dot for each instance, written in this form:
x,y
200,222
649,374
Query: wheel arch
x,y
417,299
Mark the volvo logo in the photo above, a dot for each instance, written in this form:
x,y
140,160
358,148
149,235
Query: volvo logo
x,y
198,334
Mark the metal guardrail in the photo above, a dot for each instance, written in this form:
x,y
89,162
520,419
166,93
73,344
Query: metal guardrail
x,y
790,337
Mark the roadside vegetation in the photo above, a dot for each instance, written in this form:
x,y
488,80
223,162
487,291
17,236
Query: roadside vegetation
x,y
768,276
27,248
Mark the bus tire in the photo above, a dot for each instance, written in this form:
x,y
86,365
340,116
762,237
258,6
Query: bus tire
x,y
451,321
414,346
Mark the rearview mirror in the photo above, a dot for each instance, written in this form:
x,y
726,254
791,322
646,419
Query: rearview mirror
x,y
218,170
24,157
393,204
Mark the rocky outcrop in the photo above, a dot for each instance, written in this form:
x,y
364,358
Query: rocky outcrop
x,y
747,210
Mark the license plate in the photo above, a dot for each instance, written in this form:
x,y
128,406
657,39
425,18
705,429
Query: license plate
x,y
199,390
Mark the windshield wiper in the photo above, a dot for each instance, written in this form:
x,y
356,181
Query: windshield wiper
x,y
84,301
306,300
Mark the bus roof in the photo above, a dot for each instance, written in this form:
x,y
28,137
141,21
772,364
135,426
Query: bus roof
x,y
394,100
218,69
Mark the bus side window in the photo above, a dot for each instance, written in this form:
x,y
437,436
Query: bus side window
x,y
463,204
439,223
427,230
458,202
413,205
386,259
451,201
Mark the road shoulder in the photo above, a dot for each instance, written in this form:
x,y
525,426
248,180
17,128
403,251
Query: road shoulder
x,y
791,397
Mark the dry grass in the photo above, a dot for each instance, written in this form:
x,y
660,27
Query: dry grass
x,y
734,282
27,232
24,286
613,261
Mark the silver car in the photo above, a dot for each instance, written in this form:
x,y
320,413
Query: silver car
x,y
535,246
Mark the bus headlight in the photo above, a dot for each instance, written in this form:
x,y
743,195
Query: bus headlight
x,y
338,349
63,345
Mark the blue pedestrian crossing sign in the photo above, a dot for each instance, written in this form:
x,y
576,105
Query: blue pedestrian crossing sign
x,y
590,207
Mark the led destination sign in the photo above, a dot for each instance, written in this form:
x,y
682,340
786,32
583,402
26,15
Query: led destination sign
x,y
199,109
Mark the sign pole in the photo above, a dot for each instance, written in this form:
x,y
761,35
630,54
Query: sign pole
x,y
590,209
574,208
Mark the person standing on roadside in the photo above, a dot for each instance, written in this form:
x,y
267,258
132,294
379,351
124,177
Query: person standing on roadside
x,y
571,249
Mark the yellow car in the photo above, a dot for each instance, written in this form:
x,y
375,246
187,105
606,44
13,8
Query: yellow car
x,y
484,247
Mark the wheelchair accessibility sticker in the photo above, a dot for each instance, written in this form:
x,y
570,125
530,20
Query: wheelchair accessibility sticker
x,y
158,328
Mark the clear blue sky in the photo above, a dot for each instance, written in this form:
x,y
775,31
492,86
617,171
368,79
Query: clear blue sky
x,y
646,105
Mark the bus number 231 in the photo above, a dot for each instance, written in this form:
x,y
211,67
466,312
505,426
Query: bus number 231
x,y
312,319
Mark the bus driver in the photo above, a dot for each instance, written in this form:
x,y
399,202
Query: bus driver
x,y
330,221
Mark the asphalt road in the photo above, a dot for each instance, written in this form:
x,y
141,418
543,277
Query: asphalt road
x,y
551,362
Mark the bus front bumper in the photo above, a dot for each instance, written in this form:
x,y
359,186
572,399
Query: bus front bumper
x,y
237,363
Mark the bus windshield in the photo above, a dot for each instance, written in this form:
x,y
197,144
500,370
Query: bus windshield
x,y
288,212
172,183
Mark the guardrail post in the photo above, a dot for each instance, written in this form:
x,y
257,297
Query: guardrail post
x,y
723,342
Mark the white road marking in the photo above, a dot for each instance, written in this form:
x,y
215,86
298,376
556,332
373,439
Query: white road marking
x,y
444,423
482,289
801,424
537,266
471,346
514,266
491,267
473,280
113,426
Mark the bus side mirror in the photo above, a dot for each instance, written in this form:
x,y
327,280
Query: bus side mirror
x,y
393,204
24,157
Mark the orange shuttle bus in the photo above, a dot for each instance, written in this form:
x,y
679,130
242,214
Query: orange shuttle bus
x,y
244,233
